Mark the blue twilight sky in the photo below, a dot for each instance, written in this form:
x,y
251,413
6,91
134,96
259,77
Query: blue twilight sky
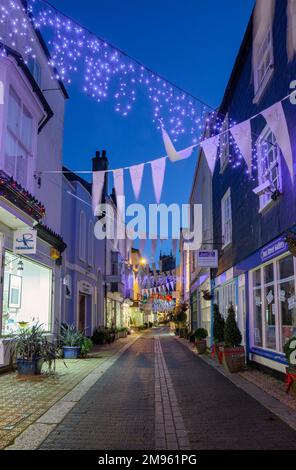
x,y
193,43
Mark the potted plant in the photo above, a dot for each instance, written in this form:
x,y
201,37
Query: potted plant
x,y
290,352
201,335
70,340
218,332
233,352
32,348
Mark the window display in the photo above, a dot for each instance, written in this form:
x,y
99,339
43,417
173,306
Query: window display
x,y
26,294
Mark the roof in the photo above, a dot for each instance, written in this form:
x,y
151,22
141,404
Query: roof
x,y
72,176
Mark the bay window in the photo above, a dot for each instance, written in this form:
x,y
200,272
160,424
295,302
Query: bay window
x,y
274,303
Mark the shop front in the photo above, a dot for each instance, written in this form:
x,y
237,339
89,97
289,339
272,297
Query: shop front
x,y
27,293
272,303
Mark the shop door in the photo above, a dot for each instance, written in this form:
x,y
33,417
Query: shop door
x,y
242,312
82,312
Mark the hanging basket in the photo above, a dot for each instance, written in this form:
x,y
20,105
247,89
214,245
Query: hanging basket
x,y
291,242
207,295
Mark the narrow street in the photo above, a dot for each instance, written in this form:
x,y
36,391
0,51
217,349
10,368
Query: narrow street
x,y
158,395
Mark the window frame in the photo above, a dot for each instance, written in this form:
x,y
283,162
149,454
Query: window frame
x,y
226,196
258,46
265,200
82,236
90,245
224,144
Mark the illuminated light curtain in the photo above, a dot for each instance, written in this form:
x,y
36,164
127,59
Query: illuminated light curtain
x,y
276,120
136,174
291,29
158,172
172,153
97,188
242,135
210,148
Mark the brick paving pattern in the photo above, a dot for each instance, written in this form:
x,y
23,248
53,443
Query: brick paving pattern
x,y
216,413
24,400
118,411
170,432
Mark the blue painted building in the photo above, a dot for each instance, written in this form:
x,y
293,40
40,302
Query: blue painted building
x,y
83,286
256,270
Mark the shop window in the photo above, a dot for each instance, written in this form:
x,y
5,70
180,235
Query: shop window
x,y
19,139
268,164
263,62
226,218
82,236
224,144
226,297
270,307
257,306
26,293
287,300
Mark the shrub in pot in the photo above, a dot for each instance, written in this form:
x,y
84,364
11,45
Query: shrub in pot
x,y
99,336
290,352
201,335
218,330
233,352
32,348
70,340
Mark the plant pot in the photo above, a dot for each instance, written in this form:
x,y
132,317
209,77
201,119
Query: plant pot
x,y
201,346
233,358
71,352
292,388
29,367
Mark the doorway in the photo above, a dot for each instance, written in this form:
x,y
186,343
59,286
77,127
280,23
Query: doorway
x,y
82,312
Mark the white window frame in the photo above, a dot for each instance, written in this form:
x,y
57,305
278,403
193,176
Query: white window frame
x,y
224,144
226,222
265,137
263,52
90,245
82,236
17,137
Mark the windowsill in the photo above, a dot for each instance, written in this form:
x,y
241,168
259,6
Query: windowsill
x,y
266,207
263,85
226,245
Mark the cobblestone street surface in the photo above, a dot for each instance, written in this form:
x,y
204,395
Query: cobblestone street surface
x,y
158,395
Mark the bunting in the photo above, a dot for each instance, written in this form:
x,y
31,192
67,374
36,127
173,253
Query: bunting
x,y
172,153
210,148
136,174
276,120
242,135
158,171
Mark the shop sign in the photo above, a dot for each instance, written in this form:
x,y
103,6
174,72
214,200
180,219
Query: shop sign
x,y
276,248
25,241
85,288
207,258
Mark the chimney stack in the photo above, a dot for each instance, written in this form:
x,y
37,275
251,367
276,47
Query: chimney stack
x,y
101,163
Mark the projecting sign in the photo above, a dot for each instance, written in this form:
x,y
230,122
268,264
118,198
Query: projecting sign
x,y
207,258
25,241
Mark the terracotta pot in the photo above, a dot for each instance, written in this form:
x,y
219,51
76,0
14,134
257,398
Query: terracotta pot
x,y
292,370
201,346
233,358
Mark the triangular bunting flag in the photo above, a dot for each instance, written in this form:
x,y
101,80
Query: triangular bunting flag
x,y
172,285
97,189
172,153
175,245
136,173
118,182
242,135
210,148
276,119
158,171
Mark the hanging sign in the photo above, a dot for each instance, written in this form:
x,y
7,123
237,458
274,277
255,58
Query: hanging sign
x,y
207,258
25,241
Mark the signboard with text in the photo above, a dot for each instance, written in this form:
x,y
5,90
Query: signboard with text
x,y
207,258
25,241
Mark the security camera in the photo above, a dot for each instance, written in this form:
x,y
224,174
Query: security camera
x,y
266,187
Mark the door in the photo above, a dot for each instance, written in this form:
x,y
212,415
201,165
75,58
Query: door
x,y
242,312
82,312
